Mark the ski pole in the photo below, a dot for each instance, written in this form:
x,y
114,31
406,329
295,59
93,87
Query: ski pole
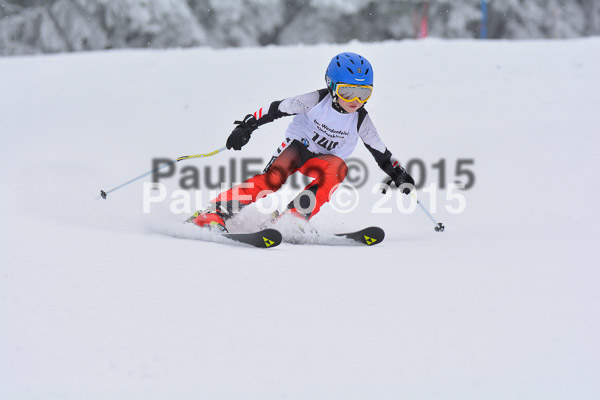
x,y
103,194
439,227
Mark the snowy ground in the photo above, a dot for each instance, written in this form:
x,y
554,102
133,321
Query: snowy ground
x,y
99,301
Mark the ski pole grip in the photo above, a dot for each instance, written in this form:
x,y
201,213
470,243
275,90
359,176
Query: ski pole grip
x,y
388,184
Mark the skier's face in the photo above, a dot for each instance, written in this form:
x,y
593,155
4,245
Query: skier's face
x,y
350,107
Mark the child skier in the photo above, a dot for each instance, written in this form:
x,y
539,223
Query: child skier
x,y
323,133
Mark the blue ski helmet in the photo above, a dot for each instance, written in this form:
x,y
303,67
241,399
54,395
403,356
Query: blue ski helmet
x,y
349,68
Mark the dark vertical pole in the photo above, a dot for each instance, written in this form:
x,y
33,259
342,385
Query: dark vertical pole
x,y
483,30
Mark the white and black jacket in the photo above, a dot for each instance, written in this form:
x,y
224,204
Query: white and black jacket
x,y
324,130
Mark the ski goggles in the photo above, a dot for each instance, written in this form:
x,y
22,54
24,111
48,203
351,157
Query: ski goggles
x,y
350,93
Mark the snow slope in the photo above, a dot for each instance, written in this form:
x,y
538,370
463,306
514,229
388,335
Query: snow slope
x,y
98,299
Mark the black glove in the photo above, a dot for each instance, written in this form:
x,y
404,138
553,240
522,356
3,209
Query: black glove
x,y
241,133
400,177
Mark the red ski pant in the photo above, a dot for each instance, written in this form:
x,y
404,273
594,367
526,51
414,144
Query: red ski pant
x,y
326,169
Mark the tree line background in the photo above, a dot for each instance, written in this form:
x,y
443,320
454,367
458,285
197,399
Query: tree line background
x,y
50,26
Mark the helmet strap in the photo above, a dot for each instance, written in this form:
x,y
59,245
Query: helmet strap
x,y
334,97
336,106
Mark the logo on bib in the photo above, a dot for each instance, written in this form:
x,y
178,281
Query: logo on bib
x,y
324,142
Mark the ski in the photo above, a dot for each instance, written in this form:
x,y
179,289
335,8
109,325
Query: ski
x,y
368,236
264,239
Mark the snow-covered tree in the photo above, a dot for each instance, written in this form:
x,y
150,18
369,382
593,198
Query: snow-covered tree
x,y
45,26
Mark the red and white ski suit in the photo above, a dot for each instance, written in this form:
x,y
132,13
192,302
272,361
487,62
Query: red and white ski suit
x,y
317,142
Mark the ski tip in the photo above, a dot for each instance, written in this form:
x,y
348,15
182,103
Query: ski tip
x,y
264,239
369,236
271,237
373,235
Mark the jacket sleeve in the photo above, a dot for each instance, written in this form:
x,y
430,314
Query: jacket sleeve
x,y
384,158
290,106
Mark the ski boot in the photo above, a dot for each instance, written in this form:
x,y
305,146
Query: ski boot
x,y
295,219
210,219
